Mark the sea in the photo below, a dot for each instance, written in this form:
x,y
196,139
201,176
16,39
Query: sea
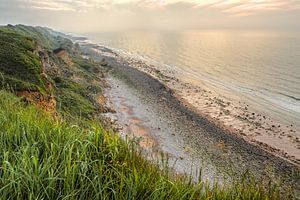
x,y
260,68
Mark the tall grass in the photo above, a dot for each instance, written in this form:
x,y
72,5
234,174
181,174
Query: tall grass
x,y
44,159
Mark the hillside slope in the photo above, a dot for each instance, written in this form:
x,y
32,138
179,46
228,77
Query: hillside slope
x,y
20,66
33,68
71,155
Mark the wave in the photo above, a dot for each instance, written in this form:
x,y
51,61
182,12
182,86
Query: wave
x,y
292,97
263,97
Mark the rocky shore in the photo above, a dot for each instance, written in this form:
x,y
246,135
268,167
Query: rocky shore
x,y
235,117
200,121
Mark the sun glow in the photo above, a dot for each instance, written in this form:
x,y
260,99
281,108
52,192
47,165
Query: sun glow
x,y
110,15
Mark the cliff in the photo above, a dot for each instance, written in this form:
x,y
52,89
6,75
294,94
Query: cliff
x,y
72,156
44,68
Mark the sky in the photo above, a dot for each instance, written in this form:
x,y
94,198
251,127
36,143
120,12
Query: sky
x,y
81,16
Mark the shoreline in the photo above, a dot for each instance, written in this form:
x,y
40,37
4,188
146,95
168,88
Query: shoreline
x,y
223,136
237,118
231,155
95,127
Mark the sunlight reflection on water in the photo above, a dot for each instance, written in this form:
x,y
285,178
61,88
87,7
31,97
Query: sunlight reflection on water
x,y
260,68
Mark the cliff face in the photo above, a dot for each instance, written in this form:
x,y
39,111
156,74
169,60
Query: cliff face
x,y
48,71
22,70
45,102
63,55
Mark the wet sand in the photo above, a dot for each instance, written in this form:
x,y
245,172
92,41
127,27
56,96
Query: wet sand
x,y
155,131
190,140
171,119
236,117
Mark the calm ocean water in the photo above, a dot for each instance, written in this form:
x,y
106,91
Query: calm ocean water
x,y
259,68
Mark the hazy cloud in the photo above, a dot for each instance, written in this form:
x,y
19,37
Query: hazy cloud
x,y
89,15
221,5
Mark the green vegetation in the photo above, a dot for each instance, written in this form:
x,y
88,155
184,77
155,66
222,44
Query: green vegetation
x,y
45,37
74,98
73,103
74,157
44,159
19,66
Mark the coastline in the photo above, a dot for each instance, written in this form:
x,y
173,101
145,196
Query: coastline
x,y
223,134
235,117
96,127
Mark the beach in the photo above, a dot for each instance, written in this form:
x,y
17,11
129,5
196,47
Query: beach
x,y
194,126
150,99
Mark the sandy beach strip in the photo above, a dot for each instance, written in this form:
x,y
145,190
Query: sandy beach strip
x,y
231,125
235,117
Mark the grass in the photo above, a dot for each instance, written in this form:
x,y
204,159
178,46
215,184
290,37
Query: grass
x,y
86,65
19,66
74,157
47,38
72,98
75,104
44,159
21,69
78,98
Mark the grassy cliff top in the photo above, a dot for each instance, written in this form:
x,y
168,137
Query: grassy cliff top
x,y
20,67
22,51
46,37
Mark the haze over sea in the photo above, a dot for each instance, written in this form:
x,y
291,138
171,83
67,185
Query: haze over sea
x,y
261,68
